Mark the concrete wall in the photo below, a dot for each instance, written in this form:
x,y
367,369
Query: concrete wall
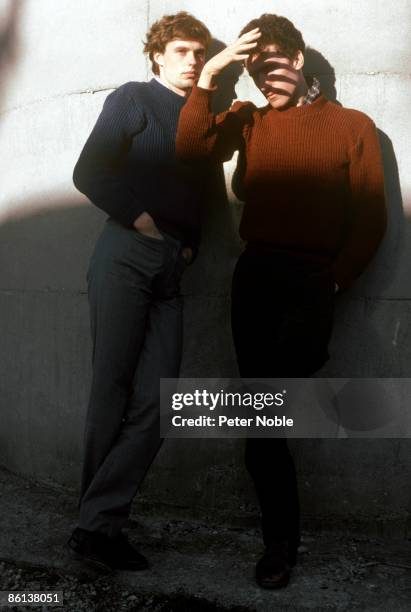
x,y
58,63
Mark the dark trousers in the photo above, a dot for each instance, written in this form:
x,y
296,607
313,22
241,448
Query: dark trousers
x,y
136,326
282,312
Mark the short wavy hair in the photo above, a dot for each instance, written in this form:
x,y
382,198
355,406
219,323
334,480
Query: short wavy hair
x,y
181,26
278,31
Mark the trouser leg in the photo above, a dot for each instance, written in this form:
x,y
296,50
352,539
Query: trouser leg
x,y
107,502
136,325
271,467
281,322
119,300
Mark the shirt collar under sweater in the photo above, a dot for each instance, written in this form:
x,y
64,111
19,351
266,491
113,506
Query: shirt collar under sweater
x,y
297,112
313,92
166,94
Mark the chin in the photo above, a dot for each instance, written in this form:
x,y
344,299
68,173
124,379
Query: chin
x,y
280,103
187,83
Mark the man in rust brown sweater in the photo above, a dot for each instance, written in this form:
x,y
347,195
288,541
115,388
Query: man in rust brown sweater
x,y
311,178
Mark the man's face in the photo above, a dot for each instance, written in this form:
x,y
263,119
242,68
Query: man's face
x,y
275,75
181,63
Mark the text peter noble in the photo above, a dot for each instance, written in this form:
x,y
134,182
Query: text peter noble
x,y
222,420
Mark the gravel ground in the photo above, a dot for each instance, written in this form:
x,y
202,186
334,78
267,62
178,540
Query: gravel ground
x,y
194,566
92,593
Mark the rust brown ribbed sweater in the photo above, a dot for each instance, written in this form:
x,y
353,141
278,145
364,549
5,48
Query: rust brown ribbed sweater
x,y
313,180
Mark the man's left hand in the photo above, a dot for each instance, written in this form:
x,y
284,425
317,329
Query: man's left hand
x,y
187,253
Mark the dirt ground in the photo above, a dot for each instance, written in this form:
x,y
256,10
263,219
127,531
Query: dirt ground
x,y
194,567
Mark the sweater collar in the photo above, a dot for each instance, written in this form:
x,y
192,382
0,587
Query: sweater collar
x,y
298,111
166,94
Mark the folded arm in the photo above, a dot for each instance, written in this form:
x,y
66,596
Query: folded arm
x,y
369,208
97,173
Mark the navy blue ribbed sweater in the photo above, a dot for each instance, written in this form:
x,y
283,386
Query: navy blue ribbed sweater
x,y
128,164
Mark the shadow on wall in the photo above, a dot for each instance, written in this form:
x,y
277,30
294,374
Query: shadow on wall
x,y
9,42
45,353
225,93
49,251
380,272
315,64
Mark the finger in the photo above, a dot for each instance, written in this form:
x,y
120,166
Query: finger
x,y
241,57
253,34
246,46
248,39
253,31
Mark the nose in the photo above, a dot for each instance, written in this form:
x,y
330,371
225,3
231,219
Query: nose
x,y
192,59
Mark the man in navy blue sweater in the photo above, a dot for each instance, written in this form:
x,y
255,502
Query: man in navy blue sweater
x,y
128,169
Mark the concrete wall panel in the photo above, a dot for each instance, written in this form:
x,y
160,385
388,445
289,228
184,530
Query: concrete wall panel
x,y
373,327
44,398
65,47
43,142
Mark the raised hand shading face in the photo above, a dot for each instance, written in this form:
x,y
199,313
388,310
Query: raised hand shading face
x,y
275,75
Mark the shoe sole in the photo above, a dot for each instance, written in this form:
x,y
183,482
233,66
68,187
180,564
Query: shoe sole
x,y
90,561
100,565
274,585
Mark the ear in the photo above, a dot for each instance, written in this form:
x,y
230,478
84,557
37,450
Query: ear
x,y
158,58
298,61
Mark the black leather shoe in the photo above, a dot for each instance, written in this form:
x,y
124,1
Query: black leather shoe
x,y
128,557
103,552
273,569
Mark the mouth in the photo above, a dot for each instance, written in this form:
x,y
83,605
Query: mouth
x,y
190,75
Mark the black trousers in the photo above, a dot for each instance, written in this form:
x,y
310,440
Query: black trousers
x,y
136,325
282,313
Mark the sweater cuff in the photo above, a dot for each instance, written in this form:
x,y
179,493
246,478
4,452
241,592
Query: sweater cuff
x,y
128,216
199,93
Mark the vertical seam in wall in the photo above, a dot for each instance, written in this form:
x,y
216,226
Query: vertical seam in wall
x,y
147,26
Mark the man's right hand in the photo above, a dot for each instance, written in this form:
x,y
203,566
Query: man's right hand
x,y
145,225
237,51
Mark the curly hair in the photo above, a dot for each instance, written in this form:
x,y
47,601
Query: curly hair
x,y
278,31
182,26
